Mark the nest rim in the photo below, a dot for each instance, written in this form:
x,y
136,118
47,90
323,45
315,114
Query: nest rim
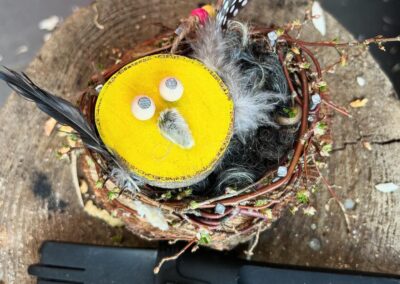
x,y
234,203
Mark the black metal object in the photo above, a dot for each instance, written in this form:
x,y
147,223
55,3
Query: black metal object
x,y
75,263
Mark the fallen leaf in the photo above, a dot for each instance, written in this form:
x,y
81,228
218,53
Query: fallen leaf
x,y
65,130
71,142
367,145
387,187
84,187
326,150
280,32
309,211
64,150
322,86
113,194
296,50
50,23
343,60
318,18
359,103
110,185
102,214
296,24
268,213
49,126
320,128
305,65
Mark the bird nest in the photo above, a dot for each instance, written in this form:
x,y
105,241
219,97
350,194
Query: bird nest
x,y
237,214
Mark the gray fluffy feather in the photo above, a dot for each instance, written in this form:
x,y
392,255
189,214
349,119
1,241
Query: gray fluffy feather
x,y
258,88
227,53
125,180
174,127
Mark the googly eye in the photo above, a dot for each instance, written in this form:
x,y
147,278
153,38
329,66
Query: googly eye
x,y
143,107
171,89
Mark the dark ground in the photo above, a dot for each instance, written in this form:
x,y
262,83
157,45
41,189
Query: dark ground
x,y
19,27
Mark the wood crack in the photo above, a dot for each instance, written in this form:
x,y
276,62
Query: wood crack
x,y
363,138
387,142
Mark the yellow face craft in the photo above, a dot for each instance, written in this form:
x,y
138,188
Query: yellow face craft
x,y
168,117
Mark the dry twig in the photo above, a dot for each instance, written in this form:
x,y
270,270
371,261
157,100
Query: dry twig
x,y
173,257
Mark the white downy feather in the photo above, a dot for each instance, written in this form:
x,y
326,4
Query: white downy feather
x,y
253,107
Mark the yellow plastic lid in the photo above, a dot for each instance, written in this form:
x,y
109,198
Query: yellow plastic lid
x,y
205,106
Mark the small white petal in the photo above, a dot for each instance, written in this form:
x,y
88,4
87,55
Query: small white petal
x,y
236,12
387,187
349,204
219,209
316,99
361,81
49,24
315,244
272,36
318,18
22,49
152,214
282,171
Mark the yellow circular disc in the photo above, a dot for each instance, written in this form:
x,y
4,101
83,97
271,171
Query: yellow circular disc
x,y
205,106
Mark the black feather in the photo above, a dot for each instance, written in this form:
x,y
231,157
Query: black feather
x,y
229,9
61,110
264,149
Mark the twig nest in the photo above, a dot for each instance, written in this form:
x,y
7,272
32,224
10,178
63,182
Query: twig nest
x,y
186,138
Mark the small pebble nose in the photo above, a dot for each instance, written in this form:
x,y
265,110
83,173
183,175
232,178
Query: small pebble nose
x,y
171,89
143,107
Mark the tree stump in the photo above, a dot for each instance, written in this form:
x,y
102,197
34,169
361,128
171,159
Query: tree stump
x,y
38,202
